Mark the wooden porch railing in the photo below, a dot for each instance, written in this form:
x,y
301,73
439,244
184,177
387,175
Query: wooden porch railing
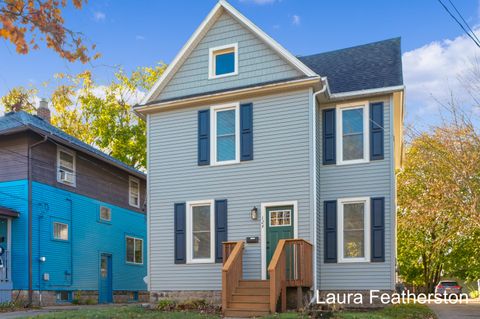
x,y
291,266
232,271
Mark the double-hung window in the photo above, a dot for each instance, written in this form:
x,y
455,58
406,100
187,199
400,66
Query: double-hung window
x,y
105,214
134,252
223,61
352,132
134,192
226,134
354,229
66,167
200,232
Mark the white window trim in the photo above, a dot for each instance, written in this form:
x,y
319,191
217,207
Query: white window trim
x,y
366,132
134,245
211,64
68,231
190,259
213,133
133,179
73,154
341,202
100,214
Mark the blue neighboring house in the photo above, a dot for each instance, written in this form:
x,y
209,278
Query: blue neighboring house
x,y
72,219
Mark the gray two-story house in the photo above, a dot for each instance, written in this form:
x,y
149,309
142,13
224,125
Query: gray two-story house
x,y
269,172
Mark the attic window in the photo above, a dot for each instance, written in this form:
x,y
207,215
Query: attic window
x,y
223,61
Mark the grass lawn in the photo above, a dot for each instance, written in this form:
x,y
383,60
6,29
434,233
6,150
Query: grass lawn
x,y
395,312
408,311
123,313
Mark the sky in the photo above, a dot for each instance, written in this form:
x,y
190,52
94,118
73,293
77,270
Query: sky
x,y
130,34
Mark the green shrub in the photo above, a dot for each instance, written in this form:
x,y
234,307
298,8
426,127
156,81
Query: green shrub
x,y
90,301
166,305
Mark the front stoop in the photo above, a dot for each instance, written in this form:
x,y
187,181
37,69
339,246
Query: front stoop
x,y
250,299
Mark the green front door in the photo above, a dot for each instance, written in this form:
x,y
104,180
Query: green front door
x,y
279,226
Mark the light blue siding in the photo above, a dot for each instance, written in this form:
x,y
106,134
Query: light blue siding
x,y
88,238
257,62
373,179
14,195
72,264
280,171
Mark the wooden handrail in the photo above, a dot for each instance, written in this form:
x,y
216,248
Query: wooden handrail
x,y
232,271
291,265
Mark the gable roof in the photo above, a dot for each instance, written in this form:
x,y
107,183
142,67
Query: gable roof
x,y
220,7
369,66
20,121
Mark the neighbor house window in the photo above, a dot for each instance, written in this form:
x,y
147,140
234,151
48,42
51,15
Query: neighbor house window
x,y
134,250
66,167
105,213
134,192
223,61
60,231
354,229
352,130
226,135
200,232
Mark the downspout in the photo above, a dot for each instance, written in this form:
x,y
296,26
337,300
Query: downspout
x,y
315,168
30,220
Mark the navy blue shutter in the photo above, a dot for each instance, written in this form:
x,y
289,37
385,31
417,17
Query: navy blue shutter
x,y
329,145
378,229
204,137
180,233
376,131
221,235
330,230
246,132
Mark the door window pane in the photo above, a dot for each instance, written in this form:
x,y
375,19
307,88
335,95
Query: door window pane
x,y
201,232
354,230
280,218
226,125
352,134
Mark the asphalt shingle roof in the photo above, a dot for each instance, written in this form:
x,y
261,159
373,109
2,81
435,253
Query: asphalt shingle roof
x,y
369,66
19,120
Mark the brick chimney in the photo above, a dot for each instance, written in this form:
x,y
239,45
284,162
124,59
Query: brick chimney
x,y
43,111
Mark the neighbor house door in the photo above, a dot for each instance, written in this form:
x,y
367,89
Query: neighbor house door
x,y
279,226
5,282
105,293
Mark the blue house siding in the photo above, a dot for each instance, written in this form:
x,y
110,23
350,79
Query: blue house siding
x,y
14,195
280,171
88,238
257,62
372,179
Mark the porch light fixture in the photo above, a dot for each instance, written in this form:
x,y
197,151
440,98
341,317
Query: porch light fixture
x,y
254,213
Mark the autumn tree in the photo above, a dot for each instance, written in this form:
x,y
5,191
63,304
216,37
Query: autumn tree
x,y
25,22
101,115
19,98
439,204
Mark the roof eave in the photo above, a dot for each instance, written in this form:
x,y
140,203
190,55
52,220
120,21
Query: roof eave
x,y
73,146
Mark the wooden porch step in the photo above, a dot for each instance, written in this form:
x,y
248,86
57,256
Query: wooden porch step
x,y
238,297
253,291
254,284
245,313
261,306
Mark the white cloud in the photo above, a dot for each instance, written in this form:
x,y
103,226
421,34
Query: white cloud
x,y
261,2
139,37
99,16
296,19
435,71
